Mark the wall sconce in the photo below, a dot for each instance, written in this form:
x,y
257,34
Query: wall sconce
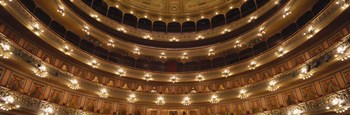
x,y
40,71
272,85
95,17
173,79
243,94
280,52
110,43
252,65
136,51
225,31
337,105
5,50
237,44
295,111
226,73
36,29
103,93
184,56
121,72
7,103
61,10
121,29
86,29
186,101
214,99
73,84
304,72
94,64
148,77
174,40
147,37
199,37
261,31
200,78
340,53
343,3
252,18
132,98
160,101
309,32
66,50
4,3
162,56
47,111
286,12
211,52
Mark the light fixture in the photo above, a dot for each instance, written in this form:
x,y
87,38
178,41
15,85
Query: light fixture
x,y
277,2
160,101
188,19
66,50
4,3
200,78
103,93
226,73
252,18
95,17
174,20
173,79
5,50
211,52
47,111
117,6
36,29
174,39
252,65
61,10
337,104
199,37
294,111
121,29
94,64
309,32
225,31
304,72
7,103
40,71
341,52
272,85
343,3
242,94
231,7
237,44
136,51
86,29
214,99
280,52
131,12
132,98
147,37
110,43
186,101
73,84
261,31
160,19
286,12
216,13
184,56
121,72
162,56
202,17
148,77
145,16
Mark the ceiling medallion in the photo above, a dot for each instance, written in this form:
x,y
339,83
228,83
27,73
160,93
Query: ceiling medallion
x,y
7,103
5,50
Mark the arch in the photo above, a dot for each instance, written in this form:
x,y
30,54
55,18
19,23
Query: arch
x,y
203,24
248,8
115,14
188,26
145,24
174,27
159,26
233,15
130,20
100,6
218,20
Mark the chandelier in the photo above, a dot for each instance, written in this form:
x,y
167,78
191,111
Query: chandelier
x,y
132,98
214,99
74,84
5,50
7,104
103,93
160,101
186,101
